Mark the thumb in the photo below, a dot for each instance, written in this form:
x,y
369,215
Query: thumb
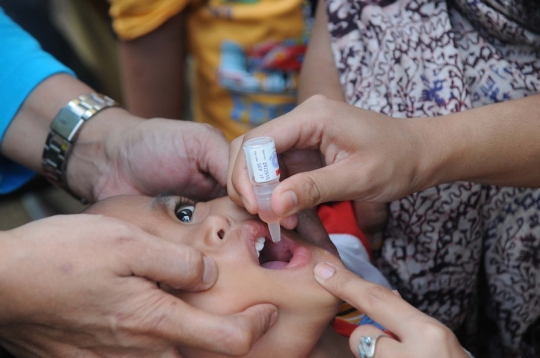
x,y
335,182
179,266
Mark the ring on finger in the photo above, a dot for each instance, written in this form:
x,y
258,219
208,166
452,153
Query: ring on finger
x,y
366,346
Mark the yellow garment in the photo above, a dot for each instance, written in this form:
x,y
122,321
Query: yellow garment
x,y
223,38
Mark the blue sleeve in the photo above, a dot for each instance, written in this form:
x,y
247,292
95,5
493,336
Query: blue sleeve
x,y
23,66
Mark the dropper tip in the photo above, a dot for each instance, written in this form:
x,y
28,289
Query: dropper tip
x,y
275,231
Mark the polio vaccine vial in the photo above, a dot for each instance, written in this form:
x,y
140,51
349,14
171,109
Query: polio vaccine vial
x,y
263,169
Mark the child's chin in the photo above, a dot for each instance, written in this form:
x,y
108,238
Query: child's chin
x,y
329,299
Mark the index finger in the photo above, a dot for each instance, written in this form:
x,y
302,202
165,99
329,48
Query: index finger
x,y
376,301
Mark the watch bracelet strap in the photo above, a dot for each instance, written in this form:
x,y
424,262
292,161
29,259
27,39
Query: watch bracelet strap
x,y
61,138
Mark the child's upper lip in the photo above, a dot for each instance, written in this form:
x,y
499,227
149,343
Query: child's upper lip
x,y
250,231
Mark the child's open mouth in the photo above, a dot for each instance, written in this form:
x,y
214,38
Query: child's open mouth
x,y
283,254
288,253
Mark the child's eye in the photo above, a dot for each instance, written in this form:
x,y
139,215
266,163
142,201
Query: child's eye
x,y
185,213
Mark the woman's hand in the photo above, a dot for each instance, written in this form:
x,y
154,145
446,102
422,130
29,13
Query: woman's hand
x,y
85,286
361,155
367,156
418,335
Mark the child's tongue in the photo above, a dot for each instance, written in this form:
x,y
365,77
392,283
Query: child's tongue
x,y
275,265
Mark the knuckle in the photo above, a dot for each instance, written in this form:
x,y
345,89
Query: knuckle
x,y
216,131
320,104
121,233
313,188
232,339
236,142
238,342
152,316
318,100
434,331
376,294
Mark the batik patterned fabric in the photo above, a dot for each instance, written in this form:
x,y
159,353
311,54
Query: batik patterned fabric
x,y
422,58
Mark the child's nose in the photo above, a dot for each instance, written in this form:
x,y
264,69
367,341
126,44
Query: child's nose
x,y
218,226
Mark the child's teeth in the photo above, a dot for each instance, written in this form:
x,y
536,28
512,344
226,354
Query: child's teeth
x,y
259,243
258,254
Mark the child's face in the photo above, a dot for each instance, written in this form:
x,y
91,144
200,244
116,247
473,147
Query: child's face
x,y
282,276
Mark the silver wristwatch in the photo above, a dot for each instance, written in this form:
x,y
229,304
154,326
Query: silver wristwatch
x,y
64,131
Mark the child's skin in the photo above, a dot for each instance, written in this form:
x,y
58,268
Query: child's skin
x,y
228,233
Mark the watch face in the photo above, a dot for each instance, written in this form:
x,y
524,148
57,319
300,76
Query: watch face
x,y
67,123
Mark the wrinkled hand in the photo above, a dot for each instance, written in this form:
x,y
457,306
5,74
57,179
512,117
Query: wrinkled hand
x,y
418,334
361,155
118,153
85,286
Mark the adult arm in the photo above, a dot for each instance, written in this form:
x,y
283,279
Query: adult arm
x,y
22,67
118,153
418,334
319,73
370,157
375,158
319,76
84,286
153,71
152,55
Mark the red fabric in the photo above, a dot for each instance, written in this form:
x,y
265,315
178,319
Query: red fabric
x,y
342,327
338,218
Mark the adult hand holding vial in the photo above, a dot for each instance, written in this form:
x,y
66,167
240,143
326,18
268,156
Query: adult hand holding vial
x,y
263,169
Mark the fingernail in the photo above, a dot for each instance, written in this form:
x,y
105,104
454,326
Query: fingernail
x,y
324,271
288,202
273,318
210,270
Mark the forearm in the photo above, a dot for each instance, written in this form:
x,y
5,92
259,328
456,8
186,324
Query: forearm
x,y
25,137
496,144
319,74
153,71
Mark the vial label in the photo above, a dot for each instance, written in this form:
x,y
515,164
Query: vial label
x,y
264,163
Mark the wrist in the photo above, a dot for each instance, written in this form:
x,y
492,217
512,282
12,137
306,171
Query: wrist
x,y
26,135
433,152
445,143
93,152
